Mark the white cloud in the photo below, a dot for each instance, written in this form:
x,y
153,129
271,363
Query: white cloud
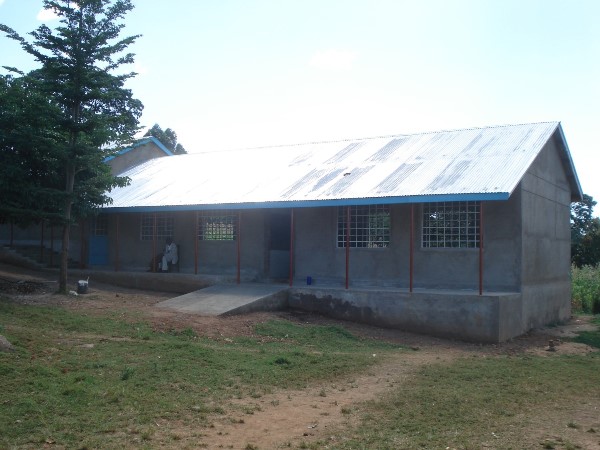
x,y
46,15
333,59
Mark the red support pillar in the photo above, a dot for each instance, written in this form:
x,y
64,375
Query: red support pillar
x,y
347,247
412,248
196,238
239,239
83,237
154,262
481,248
291,247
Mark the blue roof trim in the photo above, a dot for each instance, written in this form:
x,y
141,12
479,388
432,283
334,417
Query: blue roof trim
x,y
139,143
498,196
576,190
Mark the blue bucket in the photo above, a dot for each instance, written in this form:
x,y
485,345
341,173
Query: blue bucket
x,y
309,280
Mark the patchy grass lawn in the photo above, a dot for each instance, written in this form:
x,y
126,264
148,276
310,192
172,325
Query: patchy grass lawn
x,y
78,381
488,402
104,380
481,403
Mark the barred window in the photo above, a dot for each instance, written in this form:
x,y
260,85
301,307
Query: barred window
x,y
369,226
100,225
451,224
164,226
217,226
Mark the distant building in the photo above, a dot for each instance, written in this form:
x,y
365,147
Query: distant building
x,y
140,151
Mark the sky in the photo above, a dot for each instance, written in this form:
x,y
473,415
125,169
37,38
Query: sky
x,y
245,73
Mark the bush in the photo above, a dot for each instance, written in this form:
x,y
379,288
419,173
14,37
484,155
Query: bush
x,y
585,289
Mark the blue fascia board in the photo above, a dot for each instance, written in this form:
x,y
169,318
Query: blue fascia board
x,y
497,196
576,190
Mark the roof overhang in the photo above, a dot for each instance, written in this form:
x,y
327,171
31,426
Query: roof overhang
x,y
317,203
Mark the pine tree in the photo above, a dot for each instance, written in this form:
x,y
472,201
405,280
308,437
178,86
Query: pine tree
x,y
79,61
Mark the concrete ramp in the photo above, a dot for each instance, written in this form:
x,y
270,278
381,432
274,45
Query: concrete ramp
x,y
230,299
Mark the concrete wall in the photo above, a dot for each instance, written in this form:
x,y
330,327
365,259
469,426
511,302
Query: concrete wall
x,y
489,318
48,237
546,240
213,257
317,254
134,157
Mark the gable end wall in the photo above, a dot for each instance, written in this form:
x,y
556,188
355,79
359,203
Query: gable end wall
x,y
546,286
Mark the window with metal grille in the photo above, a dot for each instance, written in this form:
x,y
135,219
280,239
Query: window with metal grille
x,y
164,226
451,225
100,225
369,226
217,226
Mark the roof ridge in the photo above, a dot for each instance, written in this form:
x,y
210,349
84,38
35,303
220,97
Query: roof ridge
x,y
332,141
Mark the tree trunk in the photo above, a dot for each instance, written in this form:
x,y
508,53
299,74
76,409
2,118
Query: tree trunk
x,y
64,259
64,254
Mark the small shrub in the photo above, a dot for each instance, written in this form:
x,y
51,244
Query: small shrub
x,y
585,289
126,374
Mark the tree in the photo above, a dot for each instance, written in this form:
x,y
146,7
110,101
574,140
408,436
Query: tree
x,y
585,233
167,137
27,167
95,111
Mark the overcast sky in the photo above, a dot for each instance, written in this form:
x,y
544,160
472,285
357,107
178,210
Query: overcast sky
x,y
245,73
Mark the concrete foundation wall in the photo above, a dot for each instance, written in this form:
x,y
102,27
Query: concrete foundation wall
x,y
488,318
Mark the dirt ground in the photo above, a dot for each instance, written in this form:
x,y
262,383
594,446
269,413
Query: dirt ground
x,y
290,418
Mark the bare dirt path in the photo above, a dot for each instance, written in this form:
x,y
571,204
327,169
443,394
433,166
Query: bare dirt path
x,y
290,418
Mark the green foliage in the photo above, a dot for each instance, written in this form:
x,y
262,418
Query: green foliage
x,y
585,289
29,188
91,110
95,382
167,137
585,233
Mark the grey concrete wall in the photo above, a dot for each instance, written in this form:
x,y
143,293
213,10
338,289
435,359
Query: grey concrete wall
x,y
546,239
317,255
214,257
488,318
51,239
134,157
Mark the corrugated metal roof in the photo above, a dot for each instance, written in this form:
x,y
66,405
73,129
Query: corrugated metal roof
x,y
479,163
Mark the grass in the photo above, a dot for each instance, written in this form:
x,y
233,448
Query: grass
x,y
591,338
78,381
87,382
473,403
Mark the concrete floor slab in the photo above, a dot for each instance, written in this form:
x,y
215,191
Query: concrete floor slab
x,y
227,299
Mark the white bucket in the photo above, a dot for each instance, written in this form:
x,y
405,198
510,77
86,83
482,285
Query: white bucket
x,y
82,286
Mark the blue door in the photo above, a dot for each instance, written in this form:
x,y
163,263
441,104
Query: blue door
x,y
98,250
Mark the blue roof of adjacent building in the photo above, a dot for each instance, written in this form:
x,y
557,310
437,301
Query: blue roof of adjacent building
x,y
470,164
